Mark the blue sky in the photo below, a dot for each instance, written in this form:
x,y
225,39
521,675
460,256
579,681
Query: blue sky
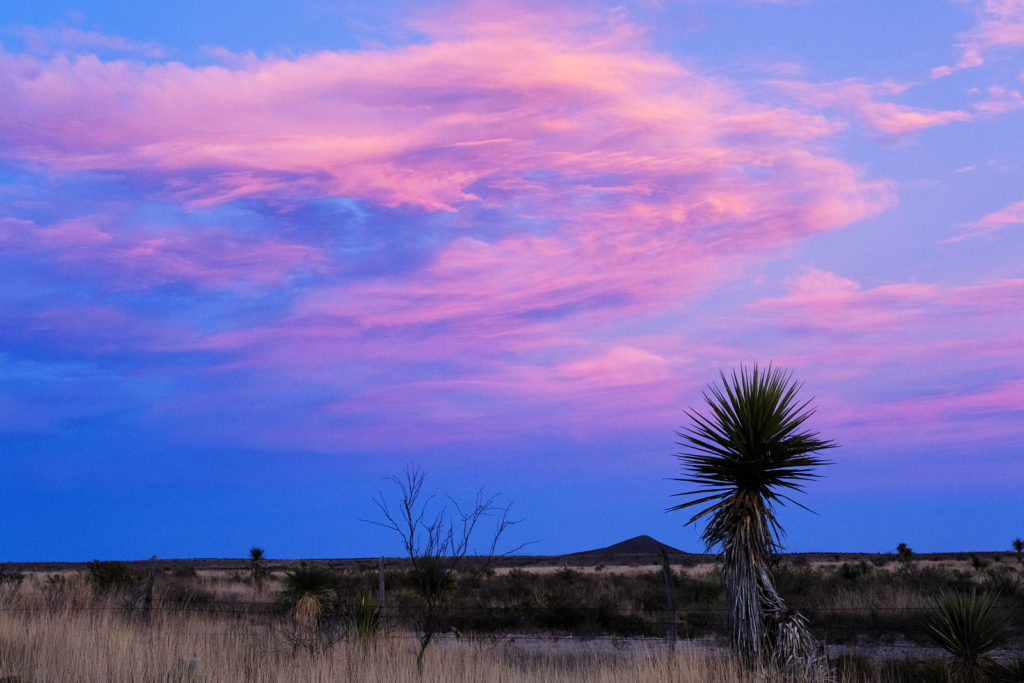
x,y
257,257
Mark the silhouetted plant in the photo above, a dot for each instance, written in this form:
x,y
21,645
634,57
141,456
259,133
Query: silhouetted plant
x,y
106,577
9,577
967,626
745,455
257,572
307,591
852,571
1018,545
437,541
904,554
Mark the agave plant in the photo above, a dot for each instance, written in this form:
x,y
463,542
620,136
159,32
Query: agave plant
x,y
967,626
745,456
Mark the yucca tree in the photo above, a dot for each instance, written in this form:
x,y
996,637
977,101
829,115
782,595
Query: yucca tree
x,y
745,454
256,568
1018,545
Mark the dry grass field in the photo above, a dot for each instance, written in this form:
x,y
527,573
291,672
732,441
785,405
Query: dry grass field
x,y
589,622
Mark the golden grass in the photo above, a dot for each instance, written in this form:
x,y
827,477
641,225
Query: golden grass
x,y
107,644
58,630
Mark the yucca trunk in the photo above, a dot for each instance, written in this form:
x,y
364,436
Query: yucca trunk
x,y
763,630
745,558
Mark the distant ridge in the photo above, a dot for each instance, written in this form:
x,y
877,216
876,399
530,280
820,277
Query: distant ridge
x,y
638,545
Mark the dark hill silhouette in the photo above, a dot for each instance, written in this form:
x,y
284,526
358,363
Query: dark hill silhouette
x,y
638,545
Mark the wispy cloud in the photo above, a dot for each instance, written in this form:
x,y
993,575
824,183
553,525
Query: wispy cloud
x,y
999,25
862,101
1011,214
902,331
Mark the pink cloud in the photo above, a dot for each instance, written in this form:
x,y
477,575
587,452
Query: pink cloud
x,y
1011,214
903,337
148,257
999,25
415,125
826,300
861,100
655,183
622,365
1000,101
987,414
53,39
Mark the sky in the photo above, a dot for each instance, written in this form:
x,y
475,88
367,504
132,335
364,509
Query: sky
x,y
258,257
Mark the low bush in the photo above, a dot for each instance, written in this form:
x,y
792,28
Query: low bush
x,y
106,577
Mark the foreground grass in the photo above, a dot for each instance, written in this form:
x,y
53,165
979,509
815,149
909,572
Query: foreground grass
x,y
217,627
106,645
102,644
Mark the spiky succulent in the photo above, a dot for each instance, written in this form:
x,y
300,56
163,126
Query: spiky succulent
x,y
746,454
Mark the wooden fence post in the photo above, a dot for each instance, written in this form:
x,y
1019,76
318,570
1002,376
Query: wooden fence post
x,y
670,593
147,595
380,589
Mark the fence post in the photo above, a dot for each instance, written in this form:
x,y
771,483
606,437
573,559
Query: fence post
x,y
670,593
147,595
380,589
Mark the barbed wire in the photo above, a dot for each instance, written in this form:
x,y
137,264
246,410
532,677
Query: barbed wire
x,y
246,607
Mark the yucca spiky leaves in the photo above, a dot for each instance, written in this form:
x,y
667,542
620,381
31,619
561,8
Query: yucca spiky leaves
x,y
748,452
968,627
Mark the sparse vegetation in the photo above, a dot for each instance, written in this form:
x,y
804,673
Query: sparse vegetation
x,y
106,577
533,623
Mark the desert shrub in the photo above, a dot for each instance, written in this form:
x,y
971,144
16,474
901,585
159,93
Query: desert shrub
x,y
568,575
852,571
183,571
934,580
968,627
8,577
1004,581
106,577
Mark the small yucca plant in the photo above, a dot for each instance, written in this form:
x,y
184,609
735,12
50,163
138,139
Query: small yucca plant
x,y
307,591
967,626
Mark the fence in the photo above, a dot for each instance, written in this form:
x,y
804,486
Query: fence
x,y
892,628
